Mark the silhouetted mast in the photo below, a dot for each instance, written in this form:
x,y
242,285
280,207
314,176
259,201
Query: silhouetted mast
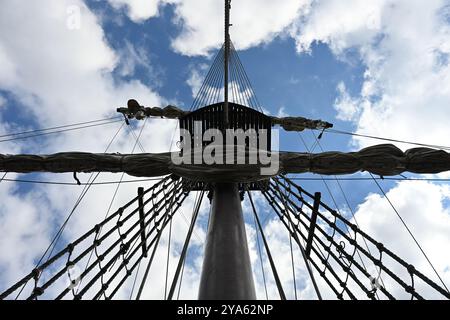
x,y
226,59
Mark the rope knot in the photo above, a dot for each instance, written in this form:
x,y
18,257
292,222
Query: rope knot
x,y
380,247
36,273
411,269
38,291
70,247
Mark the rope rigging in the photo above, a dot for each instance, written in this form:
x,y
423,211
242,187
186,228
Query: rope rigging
x,y
330,247
144,279
386,139
266,246
296,178
204,95
126,260
114,194
80,184
113,250
115,191
57,127
397,213
56,238
258,244
168,255
336,279
211,91
411,234
285,211
20,136
134,281
342,250
181,261
317,143
293,178
293,267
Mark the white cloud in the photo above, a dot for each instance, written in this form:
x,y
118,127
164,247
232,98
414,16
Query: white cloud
x,y
66,69
428,217
403,45
131,58
24,229
339,24
66,77
345,105
200,32
196,78
254,22
282,112
137,10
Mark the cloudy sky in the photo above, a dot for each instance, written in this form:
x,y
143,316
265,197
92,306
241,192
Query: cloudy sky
x,y
380,68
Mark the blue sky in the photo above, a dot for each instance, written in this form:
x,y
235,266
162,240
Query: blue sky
x,y
371,70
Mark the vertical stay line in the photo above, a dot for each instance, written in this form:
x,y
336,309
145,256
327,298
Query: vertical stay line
x,y
242,83
198,98
216,83
293,266
233,83
212,83
266,245
168,258
260,257
242,89
182,259
247,80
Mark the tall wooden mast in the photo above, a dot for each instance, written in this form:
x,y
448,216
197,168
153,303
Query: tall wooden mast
x,y
226,272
